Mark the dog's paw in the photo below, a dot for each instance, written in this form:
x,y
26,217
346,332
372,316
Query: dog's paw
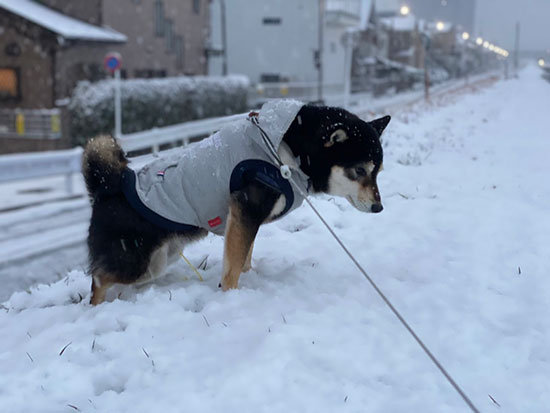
x,y
228,286
247,267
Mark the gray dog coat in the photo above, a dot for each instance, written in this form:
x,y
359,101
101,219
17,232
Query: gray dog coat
x,y
191,187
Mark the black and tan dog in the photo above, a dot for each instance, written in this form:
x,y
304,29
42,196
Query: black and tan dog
x,y
339,153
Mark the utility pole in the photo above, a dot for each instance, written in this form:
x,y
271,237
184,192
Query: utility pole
x,y
224,37
348,66
319,54
426,47
516,51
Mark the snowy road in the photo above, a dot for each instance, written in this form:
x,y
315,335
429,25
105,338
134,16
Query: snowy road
x,y
461,248
40,244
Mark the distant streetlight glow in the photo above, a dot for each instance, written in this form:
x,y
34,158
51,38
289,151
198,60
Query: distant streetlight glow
x,y
486,44
479,41
440,26
541,62
491,47
405,10
465,35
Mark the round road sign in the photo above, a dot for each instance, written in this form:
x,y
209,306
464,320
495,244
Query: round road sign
x,y
112,61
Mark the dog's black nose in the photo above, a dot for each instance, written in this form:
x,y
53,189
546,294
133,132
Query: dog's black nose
x,y
376,208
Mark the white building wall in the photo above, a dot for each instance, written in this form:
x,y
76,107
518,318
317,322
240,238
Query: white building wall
x,y
286,49
334,56
255,48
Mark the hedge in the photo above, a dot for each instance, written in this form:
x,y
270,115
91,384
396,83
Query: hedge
x,y
148,103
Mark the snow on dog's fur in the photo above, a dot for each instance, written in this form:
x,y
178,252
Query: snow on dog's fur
x,y
340,153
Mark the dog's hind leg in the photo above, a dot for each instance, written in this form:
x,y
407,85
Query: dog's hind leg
x,y
248,262
100,283
239,237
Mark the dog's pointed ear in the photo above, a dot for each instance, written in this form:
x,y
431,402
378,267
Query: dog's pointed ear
x,y
339,135
380,124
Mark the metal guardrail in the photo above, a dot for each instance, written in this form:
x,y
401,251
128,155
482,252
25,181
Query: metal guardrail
x,y
183,132
361,104
25,166
40,164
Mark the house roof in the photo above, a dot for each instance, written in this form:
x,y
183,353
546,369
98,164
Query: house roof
x,y
61,24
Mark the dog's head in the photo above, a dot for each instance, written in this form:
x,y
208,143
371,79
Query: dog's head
x,y
351,158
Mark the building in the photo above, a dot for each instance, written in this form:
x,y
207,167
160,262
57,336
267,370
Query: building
x,y
293,45
404,42
46,47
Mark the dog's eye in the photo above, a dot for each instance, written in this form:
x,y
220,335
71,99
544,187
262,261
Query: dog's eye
x,y
360,171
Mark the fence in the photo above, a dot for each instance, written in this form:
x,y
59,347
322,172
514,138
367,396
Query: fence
x,y
41,164
182,133
30,123
24,166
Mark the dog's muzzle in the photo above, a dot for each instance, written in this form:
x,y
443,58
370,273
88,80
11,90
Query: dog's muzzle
x,y
365,206
376,208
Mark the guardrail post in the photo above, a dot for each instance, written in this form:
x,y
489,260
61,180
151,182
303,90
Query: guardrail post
x,y
69,183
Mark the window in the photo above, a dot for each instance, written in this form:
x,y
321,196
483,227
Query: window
x,y
270,77
196,6
169,34
159,18
9,84
271,20
179,45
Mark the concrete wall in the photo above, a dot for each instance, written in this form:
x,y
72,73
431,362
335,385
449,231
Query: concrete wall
x,y
78,61
145,50
34,65
86,10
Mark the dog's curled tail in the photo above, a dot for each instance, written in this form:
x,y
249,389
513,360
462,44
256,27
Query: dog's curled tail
x,y
102,164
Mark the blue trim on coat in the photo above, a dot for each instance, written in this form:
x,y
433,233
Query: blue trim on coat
x,y
265,173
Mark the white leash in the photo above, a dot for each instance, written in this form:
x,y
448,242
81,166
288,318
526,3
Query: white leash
x,y
287,174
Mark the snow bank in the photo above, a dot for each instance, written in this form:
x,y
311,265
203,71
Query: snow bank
x,y
461,249
148,103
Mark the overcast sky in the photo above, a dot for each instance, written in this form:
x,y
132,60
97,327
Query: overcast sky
x,y
496,19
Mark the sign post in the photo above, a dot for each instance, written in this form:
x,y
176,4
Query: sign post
x,y
112,63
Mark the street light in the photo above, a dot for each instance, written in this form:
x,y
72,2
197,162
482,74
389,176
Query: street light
x,y
404,10
479,41
486,44
440,26
465,35
541,62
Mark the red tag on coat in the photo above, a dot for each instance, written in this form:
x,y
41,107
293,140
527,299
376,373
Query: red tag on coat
x,y
214,222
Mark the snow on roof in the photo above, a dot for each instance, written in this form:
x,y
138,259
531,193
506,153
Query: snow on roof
x,y
63,25
399,23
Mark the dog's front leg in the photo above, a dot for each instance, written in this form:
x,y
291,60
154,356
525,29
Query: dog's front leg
x,y
239,237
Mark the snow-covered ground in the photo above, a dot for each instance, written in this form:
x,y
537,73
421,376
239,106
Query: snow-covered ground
x,y
461,248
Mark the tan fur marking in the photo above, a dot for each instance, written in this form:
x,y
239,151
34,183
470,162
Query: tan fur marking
x,y
237,245
248,263
100,284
